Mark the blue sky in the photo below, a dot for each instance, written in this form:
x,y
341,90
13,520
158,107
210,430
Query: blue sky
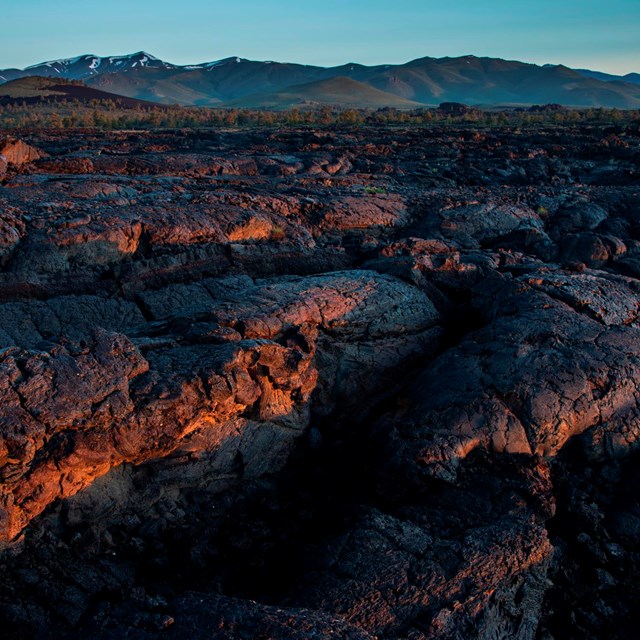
x,y
587,33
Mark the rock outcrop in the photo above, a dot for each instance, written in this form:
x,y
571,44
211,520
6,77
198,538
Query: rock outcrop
x,y
17,152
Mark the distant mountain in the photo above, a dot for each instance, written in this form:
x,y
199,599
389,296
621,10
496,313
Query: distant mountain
x,y
608,77
426,81
208,84
85,66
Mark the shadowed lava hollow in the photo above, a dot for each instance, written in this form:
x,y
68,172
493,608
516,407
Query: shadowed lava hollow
x,y
350,383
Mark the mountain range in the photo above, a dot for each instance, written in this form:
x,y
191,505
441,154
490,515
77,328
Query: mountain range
x,y
426,81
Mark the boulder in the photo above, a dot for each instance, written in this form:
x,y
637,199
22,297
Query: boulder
x,y
17,152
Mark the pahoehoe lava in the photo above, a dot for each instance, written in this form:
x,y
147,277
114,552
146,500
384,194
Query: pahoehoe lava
x,y
372,382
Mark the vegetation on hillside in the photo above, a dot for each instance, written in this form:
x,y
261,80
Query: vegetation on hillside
x,y
108,114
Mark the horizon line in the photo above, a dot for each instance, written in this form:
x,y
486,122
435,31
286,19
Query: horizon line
x,y
391,64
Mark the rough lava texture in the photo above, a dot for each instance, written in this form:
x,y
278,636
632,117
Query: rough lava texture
x,y
359,384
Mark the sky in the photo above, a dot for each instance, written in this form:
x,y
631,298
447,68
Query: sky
x,y
593,34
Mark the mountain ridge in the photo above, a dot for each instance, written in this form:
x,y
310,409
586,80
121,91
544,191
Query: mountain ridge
x,y
236,81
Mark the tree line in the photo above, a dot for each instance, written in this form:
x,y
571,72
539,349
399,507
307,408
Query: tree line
x,y
110,114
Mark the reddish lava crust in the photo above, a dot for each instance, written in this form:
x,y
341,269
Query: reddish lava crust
x,y
349,383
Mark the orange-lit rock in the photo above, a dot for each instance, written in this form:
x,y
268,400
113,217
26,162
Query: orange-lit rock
x,y
105,404
17,152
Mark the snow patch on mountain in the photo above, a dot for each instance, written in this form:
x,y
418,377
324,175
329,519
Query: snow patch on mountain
x,y
88,64
66,62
